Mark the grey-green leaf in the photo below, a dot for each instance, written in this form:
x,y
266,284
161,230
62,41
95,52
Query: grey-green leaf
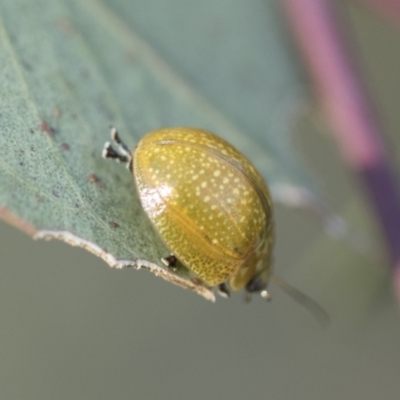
x,y
71,68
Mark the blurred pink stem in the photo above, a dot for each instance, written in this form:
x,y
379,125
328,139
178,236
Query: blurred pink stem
x,y
319,35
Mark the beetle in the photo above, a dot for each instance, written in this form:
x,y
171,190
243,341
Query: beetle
x,y
209,205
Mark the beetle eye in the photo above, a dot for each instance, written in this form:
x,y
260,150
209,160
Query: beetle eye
x,y
256,285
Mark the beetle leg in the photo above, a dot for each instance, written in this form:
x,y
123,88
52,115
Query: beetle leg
x,y
223,291
265,295
122,147
170,262
257,285
122,155
109,152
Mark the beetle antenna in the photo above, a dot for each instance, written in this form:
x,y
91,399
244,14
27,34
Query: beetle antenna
x,y
311,305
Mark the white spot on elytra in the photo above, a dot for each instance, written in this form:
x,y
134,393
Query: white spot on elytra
x,y
217,173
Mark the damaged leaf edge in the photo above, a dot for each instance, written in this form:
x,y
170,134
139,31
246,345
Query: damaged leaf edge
x,y
75,240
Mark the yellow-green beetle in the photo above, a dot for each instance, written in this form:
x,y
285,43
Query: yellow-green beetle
x,y
208,203
210,206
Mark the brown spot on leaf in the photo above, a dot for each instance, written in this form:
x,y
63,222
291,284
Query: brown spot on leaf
x,y
45,127
94,179
113,224
65,146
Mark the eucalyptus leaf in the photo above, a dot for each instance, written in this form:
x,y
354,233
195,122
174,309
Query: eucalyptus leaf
x,y
70,69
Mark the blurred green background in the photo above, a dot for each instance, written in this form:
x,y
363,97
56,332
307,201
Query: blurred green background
x,y
72,328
